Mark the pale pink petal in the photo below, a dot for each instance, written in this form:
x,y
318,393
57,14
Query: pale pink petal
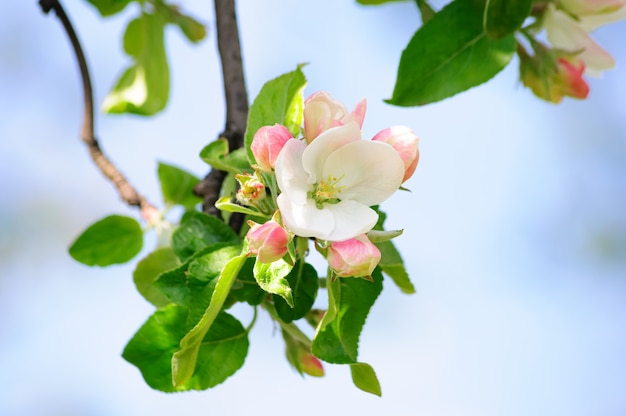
x,y
592,22
567,34
316,120
591,7
358,114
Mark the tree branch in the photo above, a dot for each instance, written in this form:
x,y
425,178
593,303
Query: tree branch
x,y
126,191
236,97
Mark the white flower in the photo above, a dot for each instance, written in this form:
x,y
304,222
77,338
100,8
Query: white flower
x,y
328,186
568,34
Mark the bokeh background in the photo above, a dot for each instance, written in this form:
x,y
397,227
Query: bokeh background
x,y
515,229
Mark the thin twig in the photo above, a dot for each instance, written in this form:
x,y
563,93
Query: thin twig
x,y
236,98
126,191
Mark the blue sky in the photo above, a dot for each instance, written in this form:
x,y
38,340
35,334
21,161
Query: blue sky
x,y
515,229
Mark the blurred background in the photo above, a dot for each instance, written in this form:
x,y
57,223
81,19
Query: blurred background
x,y
515,229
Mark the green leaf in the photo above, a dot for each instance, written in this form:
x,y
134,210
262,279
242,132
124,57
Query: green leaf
x,y
198,231
147,271
225,204
392,265
221,354
216,154
177,186
450,54
426,10
112,240
364,377
391,261
280,101
271,278
303,281
109,7
191,28
504,17
179,285
349,302
202,277
144,87
245,288
184,360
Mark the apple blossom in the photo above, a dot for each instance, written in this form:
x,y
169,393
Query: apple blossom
x,y
267,144
267,241
329,185
405,142
322,112
552,75
356,257
567,34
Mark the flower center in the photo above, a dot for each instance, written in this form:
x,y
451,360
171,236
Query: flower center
x,y
326,191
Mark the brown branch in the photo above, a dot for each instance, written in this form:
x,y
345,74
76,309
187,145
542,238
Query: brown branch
x,y
236,98
126,191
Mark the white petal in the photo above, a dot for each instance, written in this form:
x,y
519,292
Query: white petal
x,y
567,34
319,149
305,220
351,218
291,178
590,23
371,171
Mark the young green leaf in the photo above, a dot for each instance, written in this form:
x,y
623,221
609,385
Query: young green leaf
x,y
391,262
177,186
147,271
504,17
225,204
144,87
245,288
449,54
198,231
217,155
109,7
392,265
221,354
349,302
180,285
191,28
271,278
364,377
303,280
185,359
280,101
112,240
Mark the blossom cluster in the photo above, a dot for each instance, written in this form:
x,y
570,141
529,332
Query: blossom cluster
x,y
557,71
323,185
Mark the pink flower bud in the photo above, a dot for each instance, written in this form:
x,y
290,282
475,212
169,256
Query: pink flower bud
x,y
322,112
405,142
267,143
356,257
553,74
310,365
267,241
